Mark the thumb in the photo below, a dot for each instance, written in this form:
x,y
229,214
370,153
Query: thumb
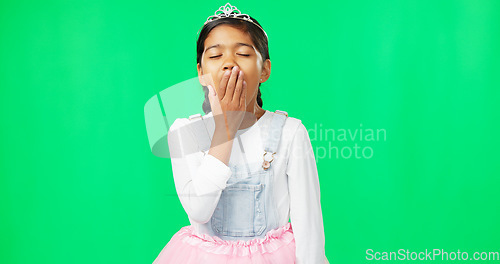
x,y
211,90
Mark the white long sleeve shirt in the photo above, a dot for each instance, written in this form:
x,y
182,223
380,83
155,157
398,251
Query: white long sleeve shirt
x,y
200,178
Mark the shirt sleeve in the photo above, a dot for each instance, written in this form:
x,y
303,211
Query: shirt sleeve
x,y
305,207
199,178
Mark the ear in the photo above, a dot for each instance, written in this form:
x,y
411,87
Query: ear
x,y
200,75
266,71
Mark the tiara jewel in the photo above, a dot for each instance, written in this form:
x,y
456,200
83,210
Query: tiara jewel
x,y
230,11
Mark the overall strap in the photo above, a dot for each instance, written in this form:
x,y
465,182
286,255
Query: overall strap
x,y
200,132
273,137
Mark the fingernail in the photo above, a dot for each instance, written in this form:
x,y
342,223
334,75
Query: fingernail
x,y
227,73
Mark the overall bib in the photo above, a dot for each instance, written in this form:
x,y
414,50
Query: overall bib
x,y
246,208
244,226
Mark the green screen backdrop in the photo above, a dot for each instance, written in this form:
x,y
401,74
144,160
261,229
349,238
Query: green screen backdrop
x,y
400,99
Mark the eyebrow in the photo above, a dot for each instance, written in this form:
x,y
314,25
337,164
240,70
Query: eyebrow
x,y
238,44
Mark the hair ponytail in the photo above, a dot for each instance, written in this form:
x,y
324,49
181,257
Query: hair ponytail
x,y
206,104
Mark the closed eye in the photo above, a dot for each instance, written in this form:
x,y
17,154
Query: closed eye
x,y
246,55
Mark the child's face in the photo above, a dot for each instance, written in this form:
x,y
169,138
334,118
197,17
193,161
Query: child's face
x,y
228,54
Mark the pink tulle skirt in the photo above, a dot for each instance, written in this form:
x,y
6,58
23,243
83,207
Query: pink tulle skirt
x,y
186,247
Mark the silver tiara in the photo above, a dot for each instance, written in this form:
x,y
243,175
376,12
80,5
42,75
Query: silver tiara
x,y
230,11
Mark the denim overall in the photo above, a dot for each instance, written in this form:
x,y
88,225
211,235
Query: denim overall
x,y
246,208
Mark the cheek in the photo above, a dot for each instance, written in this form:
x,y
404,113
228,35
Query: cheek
x,y
252,77
252,88
212,77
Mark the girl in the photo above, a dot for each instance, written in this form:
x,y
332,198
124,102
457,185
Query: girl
x,y
242,172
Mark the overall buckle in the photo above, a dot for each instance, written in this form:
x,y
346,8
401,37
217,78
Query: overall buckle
x,y
267,163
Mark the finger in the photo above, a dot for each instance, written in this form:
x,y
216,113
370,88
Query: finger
x,y
223,84
231,83
238,88
243,97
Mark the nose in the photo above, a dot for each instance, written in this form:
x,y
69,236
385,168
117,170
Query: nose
x,y
229,67
229,64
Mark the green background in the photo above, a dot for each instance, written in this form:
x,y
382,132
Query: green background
x,y
79,183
